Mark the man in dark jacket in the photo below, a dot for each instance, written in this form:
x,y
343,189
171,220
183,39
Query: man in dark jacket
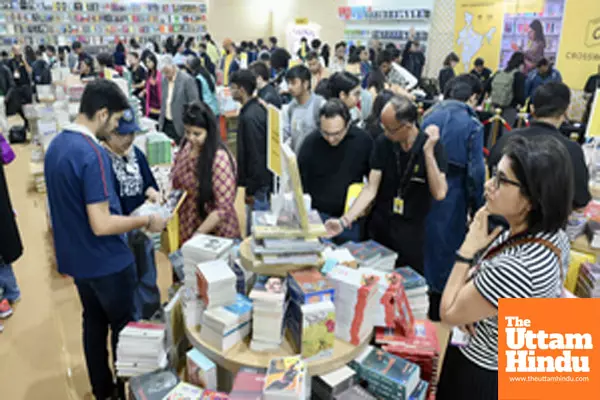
x,y
461,133
266,90
6,80
11,248
21,70
251,144
413,58
549,105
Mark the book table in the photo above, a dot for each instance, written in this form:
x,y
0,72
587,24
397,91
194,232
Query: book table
x,y
250,263
241,355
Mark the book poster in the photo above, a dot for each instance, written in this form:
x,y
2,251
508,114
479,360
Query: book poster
x,y
477,32
593,127
274,140
579,53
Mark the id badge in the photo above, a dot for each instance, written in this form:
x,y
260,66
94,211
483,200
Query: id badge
x,y
398,205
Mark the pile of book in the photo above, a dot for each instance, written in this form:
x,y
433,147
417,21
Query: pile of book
x,y
266,225
286,379
202,248
216,283
293,251
421,348
249,384
371,254
576,225
355,300
225,326
200,370
588,282
244,278
392,309
333,384
141,349
415,287
311,314
387,375
269,308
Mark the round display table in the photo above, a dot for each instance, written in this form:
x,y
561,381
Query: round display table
x,y
241,355
250,263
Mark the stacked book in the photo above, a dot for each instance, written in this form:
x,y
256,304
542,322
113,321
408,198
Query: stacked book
x,y
200,370
415,287
286,379
249,384
244,278
388,376
393,309
371,254
421,348
576,225
225,326
201,248
269,308
216,283
588,282
340,256
266,225
311,314
152,386
141,349
355,298
329,386
293,251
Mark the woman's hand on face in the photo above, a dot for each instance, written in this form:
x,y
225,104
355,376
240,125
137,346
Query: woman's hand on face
x,y
478,237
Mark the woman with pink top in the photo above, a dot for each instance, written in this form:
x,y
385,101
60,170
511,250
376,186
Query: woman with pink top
x,y
153,91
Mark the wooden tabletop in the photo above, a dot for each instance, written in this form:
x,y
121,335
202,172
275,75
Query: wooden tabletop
x,y
582,245
241,355
250,263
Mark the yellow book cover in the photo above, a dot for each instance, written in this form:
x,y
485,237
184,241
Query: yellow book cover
x,y
577,258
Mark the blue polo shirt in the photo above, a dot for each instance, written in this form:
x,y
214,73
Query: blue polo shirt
x,y
78,172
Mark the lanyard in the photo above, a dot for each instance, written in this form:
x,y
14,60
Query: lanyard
x,y
408,171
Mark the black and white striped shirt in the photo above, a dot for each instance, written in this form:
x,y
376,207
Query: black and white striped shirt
x,y
521,271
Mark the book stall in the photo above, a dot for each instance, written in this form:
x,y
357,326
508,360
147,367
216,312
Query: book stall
x,y
286,315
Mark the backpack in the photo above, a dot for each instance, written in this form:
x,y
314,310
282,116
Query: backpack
x,y
502,88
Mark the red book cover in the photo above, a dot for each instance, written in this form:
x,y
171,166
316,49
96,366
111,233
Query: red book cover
x,y
212,395
248,384
362,297
424,337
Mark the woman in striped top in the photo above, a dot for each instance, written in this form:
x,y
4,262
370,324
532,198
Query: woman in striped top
x,y
532,190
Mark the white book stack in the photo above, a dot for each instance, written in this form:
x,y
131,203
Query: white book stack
x,y
141,349
355,300
269,306
416,289
225,326
216,283
202,248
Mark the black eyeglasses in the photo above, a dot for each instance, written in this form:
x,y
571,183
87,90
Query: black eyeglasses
x,y
500,179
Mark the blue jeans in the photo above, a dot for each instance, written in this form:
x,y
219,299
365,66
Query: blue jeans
x,y
107,301
261,203
347,235
8,283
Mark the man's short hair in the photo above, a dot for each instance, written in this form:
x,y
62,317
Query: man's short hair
x,y
543,62
260,69
463,87
298,72
244,79
405,110
315,44
551,99
280,59
76,45
273,40
340,44
312,55
134,54
166,60
100,94
333,108
479,62
385,56
51,49
264,56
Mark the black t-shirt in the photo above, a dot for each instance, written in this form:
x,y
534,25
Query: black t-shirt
x,y
328,171
417,196
591,85
138,75
20,74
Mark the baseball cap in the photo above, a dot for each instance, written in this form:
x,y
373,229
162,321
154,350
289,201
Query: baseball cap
x,y
127,124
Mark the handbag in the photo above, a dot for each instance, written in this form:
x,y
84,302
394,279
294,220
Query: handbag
x,y
7,155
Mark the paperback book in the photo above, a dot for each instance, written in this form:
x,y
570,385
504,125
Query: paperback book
x,y
152,386
309,285
248,384
328,386
185,391
216,283
201,371
312,328
285,379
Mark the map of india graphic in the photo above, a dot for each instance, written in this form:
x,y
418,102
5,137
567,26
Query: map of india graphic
x,y
472,41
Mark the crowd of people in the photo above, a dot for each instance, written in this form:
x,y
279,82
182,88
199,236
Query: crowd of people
x,y
350,118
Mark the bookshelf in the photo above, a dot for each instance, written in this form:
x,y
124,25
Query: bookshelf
x,y
98,23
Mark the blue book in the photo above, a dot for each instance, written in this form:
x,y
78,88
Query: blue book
x,y
242,305
390,375
411,278
420,392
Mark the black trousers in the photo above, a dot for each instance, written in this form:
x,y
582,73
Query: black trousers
x,y
107,303
463,380
169,130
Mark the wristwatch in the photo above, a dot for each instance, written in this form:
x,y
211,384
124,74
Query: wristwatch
x,y
469,261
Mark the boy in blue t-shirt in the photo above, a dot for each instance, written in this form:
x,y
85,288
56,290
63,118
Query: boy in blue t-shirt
x,y
89,230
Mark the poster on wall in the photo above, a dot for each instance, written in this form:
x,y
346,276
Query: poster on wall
x,y
579,53
295,32
477,32
495,29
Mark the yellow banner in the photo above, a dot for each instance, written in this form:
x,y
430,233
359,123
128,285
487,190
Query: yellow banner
x,y
478,32
274,140
579,50
593,128
524,6
301,21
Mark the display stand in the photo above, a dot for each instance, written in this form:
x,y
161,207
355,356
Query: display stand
x,y
241,355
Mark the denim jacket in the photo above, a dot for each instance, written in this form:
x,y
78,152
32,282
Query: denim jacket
x,y
461,133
